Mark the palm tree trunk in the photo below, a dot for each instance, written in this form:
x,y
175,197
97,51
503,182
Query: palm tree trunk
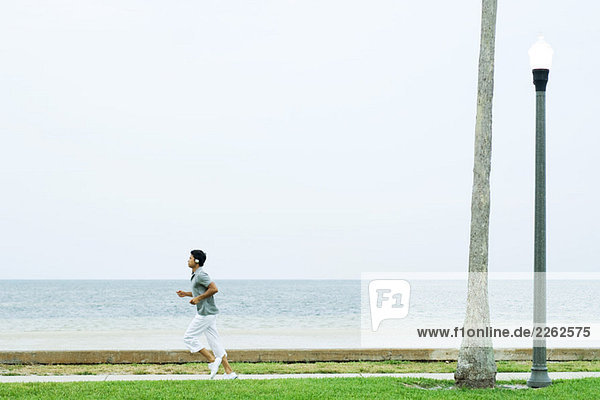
x,y
476,365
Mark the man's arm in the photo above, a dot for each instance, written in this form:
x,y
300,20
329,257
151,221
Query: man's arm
x,y
210,290
181,293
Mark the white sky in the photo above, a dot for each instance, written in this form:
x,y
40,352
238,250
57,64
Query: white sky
x,y
288,139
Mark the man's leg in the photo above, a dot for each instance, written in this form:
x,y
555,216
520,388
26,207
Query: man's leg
x,y
209,356
191,338
211,359
226,365
212,336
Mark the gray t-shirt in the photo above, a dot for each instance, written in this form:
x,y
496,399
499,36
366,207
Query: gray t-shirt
x,y
200,281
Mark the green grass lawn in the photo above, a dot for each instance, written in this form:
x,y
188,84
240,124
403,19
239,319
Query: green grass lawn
x,y
283,368
313,388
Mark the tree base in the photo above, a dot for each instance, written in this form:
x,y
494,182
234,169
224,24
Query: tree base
x,y
476,368
476,384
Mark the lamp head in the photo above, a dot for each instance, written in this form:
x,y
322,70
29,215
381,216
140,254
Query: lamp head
x,y
540,54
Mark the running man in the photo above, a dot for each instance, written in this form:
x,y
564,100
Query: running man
x,y
205,321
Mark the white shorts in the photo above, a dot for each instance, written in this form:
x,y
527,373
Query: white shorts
x,y
207,325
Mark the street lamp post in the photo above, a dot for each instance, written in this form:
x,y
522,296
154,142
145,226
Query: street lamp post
x,y
540,56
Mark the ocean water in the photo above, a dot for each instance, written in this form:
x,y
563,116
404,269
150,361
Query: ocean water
x,y
147,314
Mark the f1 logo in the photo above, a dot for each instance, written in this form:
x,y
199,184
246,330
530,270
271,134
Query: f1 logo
x,y
388,299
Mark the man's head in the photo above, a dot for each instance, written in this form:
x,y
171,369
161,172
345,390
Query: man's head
x,y
197,258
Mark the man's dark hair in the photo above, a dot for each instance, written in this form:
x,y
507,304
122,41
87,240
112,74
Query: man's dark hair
x,y
200,256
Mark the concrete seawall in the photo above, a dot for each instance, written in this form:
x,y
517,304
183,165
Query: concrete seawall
x,y
277,355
